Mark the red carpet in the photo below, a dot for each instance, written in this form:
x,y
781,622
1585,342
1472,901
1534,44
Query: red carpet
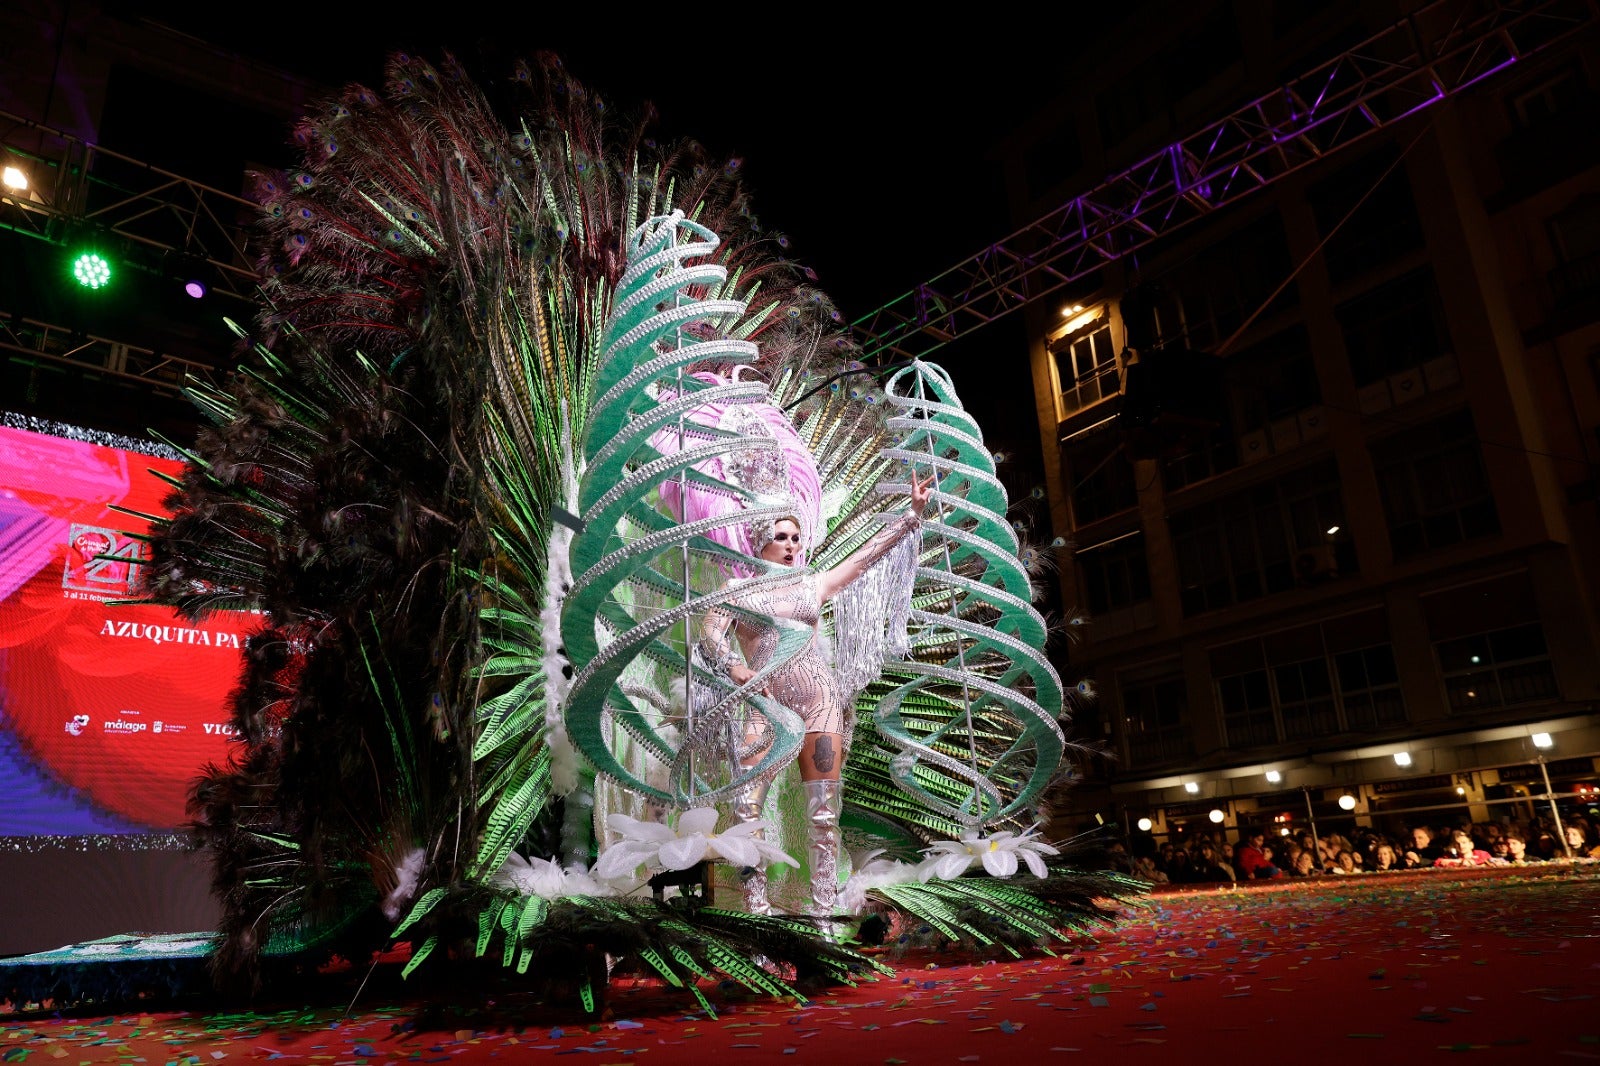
x,y
1500,966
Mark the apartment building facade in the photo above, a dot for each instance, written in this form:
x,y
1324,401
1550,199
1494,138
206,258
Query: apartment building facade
x,y
1340,546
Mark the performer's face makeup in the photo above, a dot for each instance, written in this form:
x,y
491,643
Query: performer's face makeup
x,y
784,547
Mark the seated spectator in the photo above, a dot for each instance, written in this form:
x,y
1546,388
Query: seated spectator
x,y
1254,857
1209,867
1423,851
1345,863
1384,858
1144,868
1544,847
1178,869
1304,866
1460,852
1577,840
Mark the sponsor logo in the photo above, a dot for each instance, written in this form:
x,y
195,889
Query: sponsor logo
x,y
122,725
220,729
100,562
77,724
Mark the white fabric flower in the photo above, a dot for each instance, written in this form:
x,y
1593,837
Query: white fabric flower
x,y
950,859
546,878
871,872
661,847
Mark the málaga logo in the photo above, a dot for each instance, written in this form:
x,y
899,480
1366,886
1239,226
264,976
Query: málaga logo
x,y
100,562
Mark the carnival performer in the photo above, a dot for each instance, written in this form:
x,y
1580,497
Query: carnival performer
x,y
807,684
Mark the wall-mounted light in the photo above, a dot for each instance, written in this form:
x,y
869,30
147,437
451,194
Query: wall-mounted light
x,y
1216,815
1542,740
1068,312
1347,802
14,178
1333,531
1145,825
1191,787
1402,758
1461,790
1284,831
1273,777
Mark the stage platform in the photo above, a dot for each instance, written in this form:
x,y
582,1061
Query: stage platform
x,y
1502,965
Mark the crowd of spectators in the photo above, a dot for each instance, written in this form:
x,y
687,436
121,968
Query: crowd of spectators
x,y
1259,855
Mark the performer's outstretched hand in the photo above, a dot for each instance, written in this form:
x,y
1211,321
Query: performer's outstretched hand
x,y
920,491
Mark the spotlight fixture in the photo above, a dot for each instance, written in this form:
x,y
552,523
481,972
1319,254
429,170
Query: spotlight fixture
x,y
91,271
1402,758
195,288
1191,787
1333,531
1273,777
14,178
1347,802
1068,312
1284,831
1145,825
1216,815
1542,741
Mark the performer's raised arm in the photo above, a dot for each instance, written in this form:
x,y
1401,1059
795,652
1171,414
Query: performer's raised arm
x,y
831,582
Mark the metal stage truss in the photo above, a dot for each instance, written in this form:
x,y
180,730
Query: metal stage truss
x,y
1431,55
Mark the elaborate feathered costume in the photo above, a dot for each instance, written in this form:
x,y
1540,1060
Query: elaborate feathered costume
x,y
444,478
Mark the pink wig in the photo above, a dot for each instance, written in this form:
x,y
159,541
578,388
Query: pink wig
x,y
787,477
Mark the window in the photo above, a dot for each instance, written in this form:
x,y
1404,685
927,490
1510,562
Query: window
x,y
1206,456
1491,644
1204,51
1052,159
1539,105
1243,547
1501,668
1434,489
1370,687
1274,379
1318,680
1100,477
1128,103
1384,227
1086,367
1115,574
1395,327
1201,302
1155,713
1575,236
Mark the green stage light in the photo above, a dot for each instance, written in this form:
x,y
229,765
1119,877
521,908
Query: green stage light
x,y
91,271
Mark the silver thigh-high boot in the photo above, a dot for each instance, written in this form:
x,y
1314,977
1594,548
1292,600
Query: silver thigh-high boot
x,y
747,807
824,801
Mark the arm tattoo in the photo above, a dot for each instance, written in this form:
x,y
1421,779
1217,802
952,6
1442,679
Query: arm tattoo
x,y
822,754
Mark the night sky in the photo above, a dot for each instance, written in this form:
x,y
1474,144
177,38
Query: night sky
x,y
869,146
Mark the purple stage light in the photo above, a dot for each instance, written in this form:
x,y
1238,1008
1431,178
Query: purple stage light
x,y
196,289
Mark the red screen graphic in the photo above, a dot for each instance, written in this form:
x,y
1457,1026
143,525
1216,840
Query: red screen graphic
x,y
116,708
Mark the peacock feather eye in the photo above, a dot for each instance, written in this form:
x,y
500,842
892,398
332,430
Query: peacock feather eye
x,y
305,213
303,180
331,146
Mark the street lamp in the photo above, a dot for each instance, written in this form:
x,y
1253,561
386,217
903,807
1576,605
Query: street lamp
x,y
1543,742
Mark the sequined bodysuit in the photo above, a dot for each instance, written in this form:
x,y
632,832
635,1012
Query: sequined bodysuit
x,y
806,684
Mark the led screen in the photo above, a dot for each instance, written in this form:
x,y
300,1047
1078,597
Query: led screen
x,y
107,712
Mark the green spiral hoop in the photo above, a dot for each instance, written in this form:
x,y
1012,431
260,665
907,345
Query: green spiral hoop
x,y
1002,743
634,579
